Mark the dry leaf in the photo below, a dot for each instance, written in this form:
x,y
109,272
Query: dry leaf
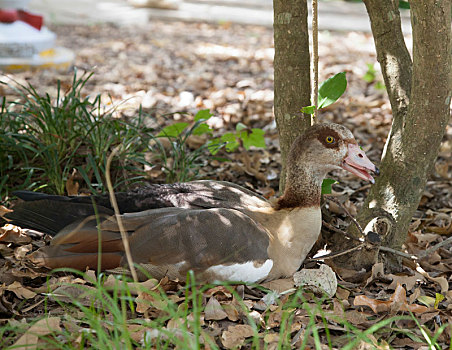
x,y
395,303
280,285
408,281
153,334
441,281
234,336
13,234
342,293
112,283
232,311
72,293
226,291
136,332
20,290
271,338
20,252
145,301
4,210
214,311
30,340
73,186
377,272
356,317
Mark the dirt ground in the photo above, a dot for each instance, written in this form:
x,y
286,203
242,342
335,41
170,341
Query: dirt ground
x,y
168,67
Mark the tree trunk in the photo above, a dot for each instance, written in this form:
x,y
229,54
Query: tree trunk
x,y
421,109
292,73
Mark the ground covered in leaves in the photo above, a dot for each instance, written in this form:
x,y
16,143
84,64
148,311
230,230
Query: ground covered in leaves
x,y
180,67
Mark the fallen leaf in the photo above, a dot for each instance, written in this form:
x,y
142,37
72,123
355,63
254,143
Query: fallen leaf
x,y
441,281
162,334
342,293
214,311
234,336
4,210
73,293
232,311
112,283
226,291
13,234
279,285
377,272
271,338
30,340
408,281
20,290
146,300
72,186
20,252
395,303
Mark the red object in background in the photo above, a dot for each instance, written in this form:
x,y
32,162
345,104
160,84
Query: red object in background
x,y
10,16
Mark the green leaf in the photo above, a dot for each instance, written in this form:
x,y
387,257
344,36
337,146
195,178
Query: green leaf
x,y
438,298
380,86
370,75
254,138
201,129
228,137
331,89
404,4
240,127
327,185
308,109
214,145
173,130
427,300
231,141
203,114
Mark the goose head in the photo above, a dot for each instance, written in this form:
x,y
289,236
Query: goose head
x,y
321,149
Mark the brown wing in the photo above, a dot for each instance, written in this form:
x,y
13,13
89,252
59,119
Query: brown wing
x,y
199,237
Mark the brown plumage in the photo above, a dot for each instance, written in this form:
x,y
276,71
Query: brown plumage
x,y
220,230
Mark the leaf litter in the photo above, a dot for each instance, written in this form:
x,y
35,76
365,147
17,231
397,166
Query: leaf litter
x,y
184,67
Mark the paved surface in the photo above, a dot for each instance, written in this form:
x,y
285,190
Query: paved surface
x,y
342,16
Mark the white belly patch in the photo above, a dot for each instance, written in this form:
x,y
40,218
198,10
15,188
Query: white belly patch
x,y
246,272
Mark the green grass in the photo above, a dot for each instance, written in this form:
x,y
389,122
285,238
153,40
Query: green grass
x,y
43,139
106,318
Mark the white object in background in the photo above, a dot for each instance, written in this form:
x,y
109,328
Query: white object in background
x,y
14,4
20,39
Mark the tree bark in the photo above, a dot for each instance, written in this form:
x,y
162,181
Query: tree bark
x,y
292,73
421,109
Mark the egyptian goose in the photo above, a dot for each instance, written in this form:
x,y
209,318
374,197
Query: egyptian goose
x,y
220,230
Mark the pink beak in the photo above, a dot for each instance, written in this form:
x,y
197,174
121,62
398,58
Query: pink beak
x,y
357,163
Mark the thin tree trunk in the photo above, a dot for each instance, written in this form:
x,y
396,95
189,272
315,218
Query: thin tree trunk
x,y
292,73
421,109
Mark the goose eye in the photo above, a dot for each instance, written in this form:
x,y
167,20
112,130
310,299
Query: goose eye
x,y
330,139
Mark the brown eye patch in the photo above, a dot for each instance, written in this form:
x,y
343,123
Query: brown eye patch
x,y
328,137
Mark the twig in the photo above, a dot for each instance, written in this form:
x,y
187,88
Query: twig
x,y
435,247
398,252
380,247
315,59
343,252
114,203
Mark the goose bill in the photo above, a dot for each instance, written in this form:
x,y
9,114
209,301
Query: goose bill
x,y
357,163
